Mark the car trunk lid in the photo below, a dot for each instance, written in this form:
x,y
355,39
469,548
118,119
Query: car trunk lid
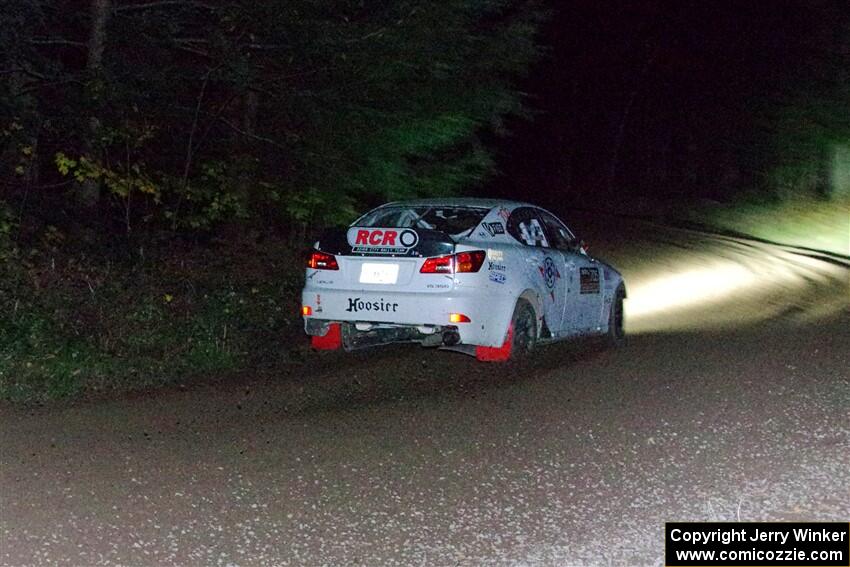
x,y
387,258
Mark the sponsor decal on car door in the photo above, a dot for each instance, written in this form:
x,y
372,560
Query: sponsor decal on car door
x,y
589,297
588,280
553,271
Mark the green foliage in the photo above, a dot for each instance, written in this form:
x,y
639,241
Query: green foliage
x,y
226,119
314,206
36,364
121,184
197,107
75,325
208,200
412,127
811,223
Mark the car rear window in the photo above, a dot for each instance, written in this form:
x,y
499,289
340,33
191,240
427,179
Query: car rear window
x,y
451,220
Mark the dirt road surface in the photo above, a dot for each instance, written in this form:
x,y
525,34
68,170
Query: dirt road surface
x,y
731,401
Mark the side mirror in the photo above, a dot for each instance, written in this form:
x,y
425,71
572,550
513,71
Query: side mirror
x,y
583,247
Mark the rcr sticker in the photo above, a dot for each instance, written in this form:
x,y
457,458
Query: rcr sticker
x,y
382,240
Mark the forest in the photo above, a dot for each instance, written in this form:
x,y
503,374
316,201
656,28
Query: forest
x,y
164,164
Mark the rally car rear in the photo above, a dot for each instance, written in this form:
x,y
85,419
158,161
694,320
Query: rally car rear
x,y
372,285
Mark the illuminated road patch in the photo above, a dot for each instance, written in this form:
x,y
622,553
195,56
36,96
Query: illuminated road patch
x,y
691,287
714,282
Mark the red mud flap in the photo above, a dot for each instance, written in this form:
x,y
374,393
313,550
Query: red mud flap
x,y
496,354
331,341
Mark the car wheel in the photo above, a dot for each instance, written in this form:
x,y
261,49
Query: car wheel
x,y
331,341
522,336
616,330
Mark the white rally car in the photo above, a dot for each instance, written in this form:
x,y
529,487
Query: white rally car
x,y
487,277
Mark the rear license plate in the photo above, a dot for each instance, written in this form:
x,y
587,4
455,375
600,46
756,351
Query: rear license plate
x,y
378,273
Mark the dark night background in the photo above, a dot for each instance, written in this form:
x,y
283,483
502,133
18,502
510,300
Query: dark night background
x,y
163,164
653,101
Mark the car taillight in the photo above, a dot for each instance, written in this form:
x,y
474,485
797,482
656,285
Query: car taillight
x,y
469,261
454,264
321,261
441,265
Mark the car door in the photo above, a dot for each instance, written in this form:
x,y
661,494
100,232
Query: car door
x,y
583,278
544,264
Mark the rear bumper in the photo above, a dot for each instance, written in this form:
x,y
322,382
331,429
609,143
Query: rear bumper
x,y
413,310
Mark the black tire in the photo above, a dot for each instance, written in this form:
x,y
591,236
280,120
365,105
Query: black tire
x,y
524,324
616,330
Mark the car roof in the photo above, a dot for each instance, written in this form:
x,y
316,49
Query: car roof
x,y
460,202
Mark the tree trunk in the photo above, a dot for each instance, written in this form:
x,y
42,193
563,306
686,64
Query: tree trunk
x,y
248,123
101,10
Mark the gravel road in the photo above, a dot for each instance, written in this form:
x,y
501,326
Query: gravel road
x,y
730,401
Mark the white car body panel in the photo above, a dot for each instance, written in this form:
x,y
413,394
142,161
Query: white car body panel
x,y
570,292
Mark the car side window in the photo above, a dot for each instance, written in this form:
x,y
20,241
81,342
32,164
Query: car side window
x,y
559,235
525,225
